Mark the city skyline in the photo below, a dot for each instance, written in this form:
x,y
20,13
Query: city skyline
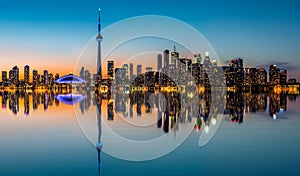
x,y
234,77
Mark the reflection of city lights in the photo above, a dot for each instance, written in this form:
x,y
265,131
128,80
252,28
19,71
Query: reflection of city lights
x,y
70,99
281,110
206,129
197,127
190,95
213,121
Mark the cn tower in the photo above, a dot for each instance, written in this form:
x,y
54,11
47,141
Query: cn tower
x,y
99,40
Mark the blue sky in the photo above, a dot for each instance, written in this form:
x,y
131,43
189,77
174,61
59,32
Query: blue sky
x,y
261,32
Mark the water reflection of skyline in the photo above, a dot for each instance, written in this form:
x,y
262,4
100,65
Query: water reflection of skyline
x,y
167,106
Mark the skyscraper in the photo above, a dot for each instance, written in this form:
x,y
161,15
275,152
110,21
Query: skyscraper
x,y
185,64
250,77
14,75
4,76
26,74
237,62
82,73
283,77
99,39
273,75
35,78
11,76
262,77
207,62
139,70
43,80
51,79
131,71
159,62
120,76
166,58
238,69
110,70
174,57
88,78
197,58
46,78
126,67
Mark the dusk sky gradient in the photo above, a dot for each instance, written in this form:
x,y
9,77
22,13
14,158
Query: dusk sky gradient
x,y
52,33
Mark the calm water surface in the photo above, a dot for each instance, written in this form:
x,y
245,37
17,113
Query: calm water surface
x,y
40,136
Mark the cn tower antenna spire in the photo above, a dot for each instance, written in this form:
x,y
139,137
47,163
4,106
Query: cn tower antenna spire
x,y
99,20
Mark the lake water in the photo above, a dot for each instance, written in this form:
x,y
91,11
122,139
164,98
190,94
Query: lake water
x,y
40,135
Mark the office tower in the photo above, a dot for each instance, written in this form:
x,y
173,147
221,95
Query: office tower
x,y
207,62
10,76
99,39
46,78
88,78
262,77
127,70
42,82
139,70
283,77
277,82
131,71
273,77
4,76
95,77
238,71
250,78
185,64
15,75
110,70
159,62
247,77
196,72
166,58
253,76
120,76
51,79
82,73
39,79
236,63
174,57
197,58
35,77
26,74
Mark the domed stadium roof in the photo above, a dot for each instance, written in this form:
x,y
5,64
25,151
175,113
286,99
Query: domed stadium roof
x,y
70,79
